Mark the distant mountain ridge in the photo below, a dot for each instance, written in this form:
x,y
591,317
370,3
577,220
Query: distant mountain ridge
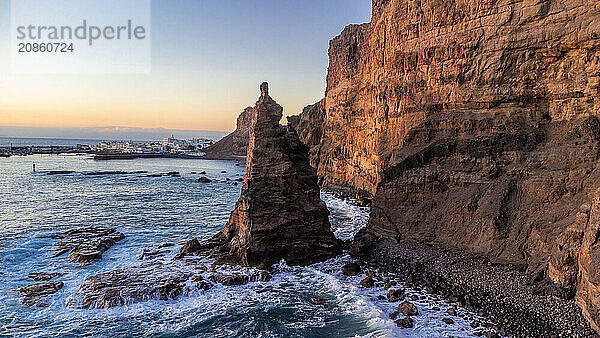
x,y
107,133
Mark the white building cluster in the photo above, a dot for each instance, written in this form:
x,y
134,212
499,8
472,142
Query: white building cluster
x,y
169,145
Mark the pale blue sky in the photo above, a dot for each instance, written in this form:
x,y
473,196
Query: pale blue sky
x,y
208,58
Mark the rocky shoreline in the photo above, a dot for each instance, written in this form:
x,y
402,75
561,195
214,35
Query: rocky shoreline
x,y
499,292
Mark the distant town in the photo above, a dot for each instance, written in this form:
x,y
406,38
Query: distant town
x,y
168,147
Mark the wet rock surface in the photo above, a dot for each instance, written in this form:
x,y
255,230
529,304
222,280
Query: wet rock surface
x,y
36,295
498,292
43,276
85,245
132,285
162,280
405,323
279,214
395,295
351,269
408,309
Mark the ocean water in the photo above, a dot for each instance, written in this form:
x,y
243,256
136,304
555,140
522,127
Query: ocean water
x,y
32,141
154,210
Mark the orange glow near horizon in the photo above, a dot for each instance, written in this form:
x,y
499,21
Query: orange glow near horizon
x,y
208,59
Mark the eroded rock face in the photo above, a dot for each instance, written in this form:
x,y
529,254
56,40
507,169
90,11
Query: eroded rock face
x,y
436,65
279,214
575,260
234,145
474,124
43,276
85,245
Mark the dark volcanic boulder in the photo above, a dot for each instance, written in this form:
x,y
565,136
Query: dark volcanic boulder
x,y
406,323
279,214
351,269
408,309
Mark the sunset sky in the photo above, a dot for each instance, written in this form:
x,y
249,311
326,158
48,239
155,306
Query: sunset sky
x,y
208,58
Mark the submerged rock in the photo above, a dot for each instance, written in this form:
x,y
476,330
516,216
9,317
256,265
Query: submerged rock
x,y
204,180
229,280
406,323
85,245
395,295
43,276
132,285
351,269
368,282
61,172
113,172
448,321
152,254
37,294
279,214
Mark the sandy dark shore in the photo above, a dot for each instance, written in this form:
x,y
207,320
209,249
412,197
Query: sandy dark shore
x,y
498,292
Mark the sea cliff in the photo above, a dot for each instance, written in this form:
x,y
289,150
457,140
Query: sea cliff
x,y
473,125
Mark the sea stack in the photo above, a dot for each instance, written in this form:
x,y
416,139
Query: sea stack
x,y
279,214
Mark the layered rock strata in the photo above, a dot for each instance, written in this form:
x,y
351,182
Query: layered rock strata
x,y
279,214
474,125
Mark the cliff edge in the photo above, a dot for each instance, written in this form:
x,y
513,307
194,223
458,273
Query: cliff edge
x,y
474,125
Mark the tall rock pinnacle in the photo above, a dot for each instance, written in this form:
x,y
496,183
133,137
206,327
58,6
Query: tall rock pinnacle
x,y
279,214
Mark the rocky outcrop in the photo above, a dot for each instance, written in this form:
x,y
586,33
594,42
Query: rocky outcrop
x,y
279,214
158,280
575,261
43,276
37,294
235,145
85,245
309,127
148,281
474,125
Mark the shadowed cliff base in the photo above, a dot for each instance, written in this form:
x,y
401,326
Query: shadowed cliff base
x,y
498,292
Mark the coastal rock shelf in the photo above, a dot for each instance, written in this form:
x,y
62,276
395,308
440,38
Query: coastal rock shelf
x,y
159,280
85,245
37,294
127,286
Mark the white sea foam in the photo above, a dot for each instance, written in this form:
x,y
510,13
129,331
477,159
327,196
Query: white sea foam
x,y
151,212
